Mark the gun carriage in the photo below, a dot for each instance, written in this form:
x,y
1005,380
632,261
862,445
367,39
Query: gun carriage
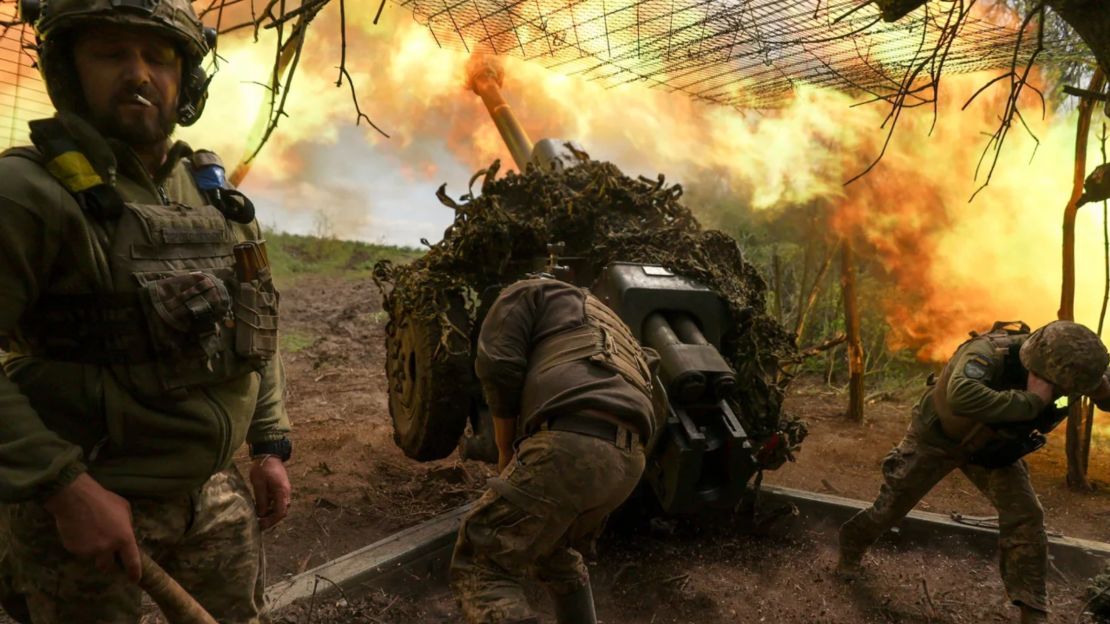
x,y
686,292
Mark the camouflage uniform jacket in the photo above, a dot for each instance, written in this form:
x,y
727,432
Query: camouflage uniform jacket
x,y
977,372
59,419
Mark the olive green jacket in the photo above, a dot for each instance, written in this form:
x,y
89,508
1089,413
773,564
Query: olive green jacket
x,y
975,368
59,419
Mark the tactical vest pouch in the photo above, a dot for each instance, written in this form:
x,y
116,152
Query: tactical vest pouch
x,y
256,319
188,317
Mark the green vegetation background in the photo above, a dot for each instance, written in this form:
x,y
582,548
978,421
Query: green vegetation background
x,y
788,247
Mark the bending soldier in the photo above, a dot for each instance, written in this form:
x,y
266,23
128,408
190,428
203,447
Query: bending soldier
x,y
139,321
991,405
564,377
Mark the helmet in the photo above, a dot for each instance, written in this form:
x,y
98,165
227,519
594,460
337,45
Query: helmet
x,y
54,21
1066,354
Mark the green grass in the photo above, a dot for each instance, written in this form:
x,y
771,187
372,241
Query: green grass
x,y
294,341
295,254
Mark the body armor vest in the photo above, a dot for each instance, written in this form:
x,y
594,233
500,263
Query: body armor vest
x,y
603,339
1005,343
178,313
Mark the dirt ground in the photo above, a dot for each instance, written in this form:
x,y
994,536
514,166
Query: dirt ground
x,y
353,486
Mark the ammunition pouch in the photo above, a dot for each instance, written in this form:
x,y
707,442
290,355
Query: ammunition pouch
x,y
190,328
192,303
256,319
186,317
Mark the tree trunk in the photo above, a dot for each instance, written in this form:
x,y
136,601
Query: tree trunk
x,y
776,279
1077,473
1091,21
1078,413
851,322
810,300
1102,312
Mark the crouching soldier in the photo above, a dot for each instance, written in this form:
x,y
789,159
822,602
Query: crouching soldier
x,y
991,405
569,385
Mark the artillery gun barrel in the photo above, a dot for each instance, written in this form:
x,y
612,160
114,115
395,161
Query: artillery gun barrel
x,y
686,385
686,329
723,383
485,81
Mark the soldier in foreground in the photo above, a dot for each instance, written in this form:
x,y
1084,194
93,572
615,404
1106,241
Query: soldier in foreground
x,y
139,320
564,379
991,405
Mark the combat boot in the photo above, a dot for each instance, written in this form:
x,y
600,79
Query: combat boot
x,y
1029,615
576,607
849,566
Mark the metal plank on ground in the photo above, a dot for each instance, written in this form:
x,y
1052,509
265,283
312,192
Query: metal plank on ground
x,y
428,541
1080,557
422,550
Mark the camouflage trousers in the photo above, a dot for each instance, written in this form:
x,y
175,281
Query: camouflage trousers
x,y
912,468
208,540
549,504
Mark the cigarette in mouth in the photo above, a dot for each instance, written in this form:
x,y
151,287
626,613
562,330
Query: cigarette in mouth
x,y
141,100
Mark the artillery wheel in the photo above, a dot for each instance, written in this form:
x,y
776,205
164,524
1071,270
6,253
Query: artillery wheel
x,y
429,381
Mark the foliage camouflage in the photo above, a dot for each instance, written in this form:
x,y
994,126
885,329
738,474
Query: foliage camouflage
x,y
1098,593
604,216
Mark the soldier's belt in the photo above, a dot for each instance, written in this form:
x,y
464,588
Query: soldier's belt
x,y
618,436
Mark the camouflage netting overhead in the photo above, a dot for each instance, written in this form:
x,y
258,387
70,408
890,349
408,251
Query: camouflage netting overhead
x,y
605,216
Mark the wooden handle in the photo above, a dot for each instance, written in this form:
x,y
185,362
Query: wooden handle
x,y
176,603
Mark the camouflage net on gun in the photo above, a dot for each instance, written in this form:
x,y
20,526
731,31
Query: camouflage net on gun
x,y
604,216
1098,594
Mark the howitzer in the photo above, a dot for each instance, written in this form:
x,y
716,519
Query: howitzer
x,y
704,452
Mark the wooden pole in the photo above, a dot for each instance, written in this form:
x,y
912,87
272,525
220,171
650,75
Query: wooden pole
x,y
1076,428
176,603
810,300
852,326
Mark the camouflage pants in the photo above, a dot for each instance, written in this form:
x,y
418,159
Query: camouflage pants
x,y
209,540
552,499
912,469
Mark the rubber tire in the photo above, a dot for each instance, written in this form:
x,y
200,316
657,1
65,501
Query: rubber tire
x,y
429,399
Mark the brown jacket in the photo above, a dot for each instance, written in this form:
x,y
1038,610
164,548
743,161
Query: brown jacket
x,y
525,314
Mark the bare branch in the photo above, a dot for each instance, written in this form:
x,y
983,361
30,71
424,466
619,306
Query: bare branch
x,y
1017,85
346,75
934,62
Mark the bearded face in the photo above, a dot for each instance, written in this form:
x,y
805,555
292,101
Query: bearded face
x,y
131,80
